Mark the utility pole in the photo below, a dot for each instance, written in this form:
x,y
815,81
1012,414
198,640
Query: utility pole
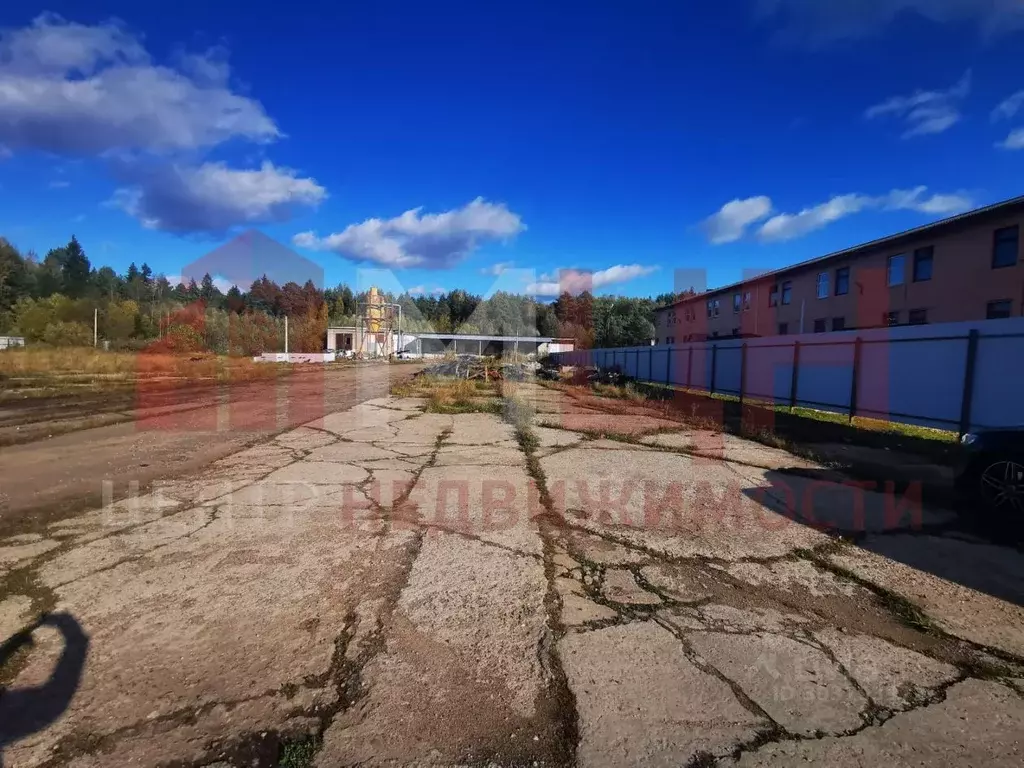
x,y
95,326
286,338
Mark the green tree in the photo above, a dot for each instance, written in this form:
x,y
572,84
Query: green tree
x,y
75,271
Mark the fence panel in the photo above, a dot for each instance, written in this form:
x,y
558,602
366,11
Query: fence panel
x,y
998,373
769,372
824,375
914,375
727,368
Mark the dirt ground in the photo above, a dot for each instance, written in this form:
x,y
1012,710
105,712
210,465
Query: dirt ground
x,y
564,586
157,434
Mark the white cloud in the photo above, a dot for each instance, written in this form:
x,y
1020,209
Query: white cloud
x,y
822,21
422,290
1009,107
73,89
59,184
415,239
578,280
213,198
925,112
787,226
497,269
1014,141
917,199
733,218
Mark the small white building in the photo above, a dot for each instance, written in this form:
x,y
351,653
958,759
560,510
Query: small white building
x,y
6,342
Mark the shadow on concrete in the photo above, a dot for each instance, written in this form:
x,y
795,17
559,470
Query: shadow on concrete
x,y
25,711
890,520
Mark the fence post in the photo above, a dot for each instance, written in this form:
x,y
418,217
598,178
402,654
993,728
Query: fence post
x,y
689,367
854,383
650,363
795,376
968,391
714,365
743,371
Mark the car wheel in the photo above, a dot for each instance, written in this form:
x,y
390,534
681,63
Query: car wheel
x,y
1002,487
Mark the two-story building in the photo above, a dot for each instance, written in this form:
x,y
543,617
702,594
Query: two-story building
x,y
966,267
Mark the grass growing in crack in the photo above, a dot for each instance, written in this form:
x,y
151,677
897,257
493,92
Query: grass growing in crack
x,y
445,394
299,753
903,609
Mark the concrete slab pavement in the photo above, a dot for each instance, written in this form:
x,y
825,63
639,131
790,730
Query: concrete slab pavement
x,y
395,587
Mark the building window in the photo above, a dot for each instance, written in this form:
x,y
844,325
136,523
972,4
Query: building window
x,y
737,300
923,264
838,323
895,270
891,318
773,296
787,292
746,301
823,285
1004,247
918,317
819,326
735,331
717,305
842,281
711,306
997,310
783,329
714,334
670,340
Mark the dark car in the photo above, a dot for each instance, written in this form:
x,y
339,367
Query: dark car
x,y
992,470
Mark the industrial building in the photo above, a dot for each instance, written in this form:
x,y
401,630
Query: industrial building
x,y
356,340
963,268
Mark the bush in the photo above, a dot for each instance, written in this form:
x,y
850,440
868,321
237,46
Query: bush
x,y
61,334
179,338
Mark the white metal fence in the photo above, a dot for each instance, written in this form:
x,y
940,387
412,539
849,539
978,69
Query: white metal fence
x,y
957,376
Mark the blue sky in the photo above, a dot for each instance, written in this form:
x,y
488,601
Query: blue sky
x,y
430,145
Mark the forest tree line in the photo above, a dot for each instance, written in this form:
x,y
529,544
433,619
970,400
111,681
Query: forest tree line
x,y
52,300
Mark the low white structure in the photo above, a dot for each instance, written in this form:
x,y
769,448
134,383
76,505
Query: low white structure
x,y
6,342
296,357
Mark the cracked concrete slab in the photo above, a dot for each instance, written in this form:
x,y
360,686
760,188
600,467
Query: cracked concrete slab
x,y
460,670
729,448
684,583
978,723
674,505
471,455
197,632
577,608
495,504
796,576
641,701
620,586
797,685
661,615
956,608
304,438
751,619
600,551
894,677
481,429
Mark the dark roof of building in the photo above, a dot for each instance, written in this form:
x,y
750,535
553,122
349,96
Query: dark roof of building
x,y
880,242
